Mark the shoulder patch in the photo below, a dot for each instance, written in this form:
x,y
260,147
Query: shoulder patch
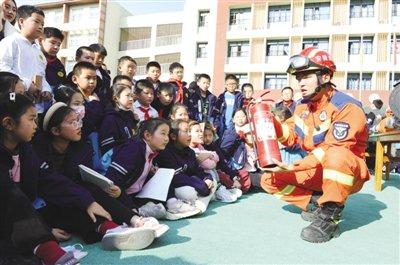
x,y
340,100
340,130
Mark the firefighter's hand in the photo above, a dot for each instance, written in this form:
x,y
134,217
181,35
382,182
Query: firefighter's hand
x,y
280,167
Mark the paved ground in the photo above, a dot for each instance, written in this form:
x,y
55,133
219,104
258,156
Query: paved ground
x,y
260,229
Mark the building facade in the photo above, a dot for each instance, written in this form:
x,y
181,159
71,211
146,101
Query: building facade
x,y
255,39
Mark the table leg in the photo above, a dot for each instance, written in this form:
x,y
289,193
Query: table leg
x,y
378,166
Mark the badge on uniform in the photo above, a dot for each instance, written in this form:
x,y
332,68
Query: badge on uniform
x,y
323,116
304,114
60,74
340,130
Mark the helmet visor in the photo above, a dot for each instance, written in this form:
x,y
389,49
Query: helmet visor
x,y
299,63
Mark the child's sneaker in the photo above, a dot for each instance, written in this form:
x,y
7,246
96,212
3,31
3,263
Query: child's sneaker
x,y
224,195
151,209
127,238
237,192
76,250
178,209
152,223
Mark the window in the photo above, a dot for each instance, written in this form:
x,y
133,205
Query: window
x,y
355,45
394,81
76,40
201,50
239,16
203,18
278,14
238,49
275,81
322,43
394,46
354,82
317,11
54,17
79,14
396,8
278,48
361,8
242,77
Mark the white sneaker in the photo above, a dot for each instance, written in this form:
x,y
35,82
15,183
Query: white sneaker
x,y
178,209
152,223
151,209
224,195
76,250
127,238
237,192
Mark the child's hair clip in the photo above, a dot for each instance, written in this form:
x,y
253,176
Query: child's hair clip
x,y
12,96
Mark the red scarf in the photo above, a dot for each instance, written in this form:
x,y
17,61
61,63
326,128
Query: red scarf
x,y
146,112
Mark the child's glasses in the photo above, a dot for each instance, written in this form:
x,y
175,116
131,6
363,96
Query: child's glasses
x,y
76,124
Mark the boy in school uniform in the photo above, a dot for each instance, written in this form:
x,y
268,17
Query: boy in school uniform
x,y
104,80
153,72
21,55
127,66
201,101
82,54
144,91
164,100
227,103
50,44
176,76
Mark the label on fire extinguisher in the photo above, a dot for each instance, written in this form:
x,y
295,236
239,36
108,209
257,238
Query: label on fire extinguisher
x,y
265,130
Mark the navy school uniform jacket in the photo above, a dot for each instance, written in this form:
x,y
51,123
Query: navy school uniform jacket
x,y
94,113
195,106
223,164
163,111
116,128
186,166
127,165
38,181
218,113
234,147
186,91
55,73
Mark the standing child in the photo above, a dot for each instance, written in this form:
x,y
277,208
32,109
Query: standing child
x,y
237,143
84,77
82,54
119,123
179,112
50,44
23,233
100,54
190,183
226,104
153,72
20,55
144,91
201,102
247,91
132,166
176,76
127,66
164,100
208,160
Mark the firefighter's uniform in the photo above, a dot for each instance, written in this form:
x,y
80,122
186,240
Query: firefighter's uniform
x,y
333,130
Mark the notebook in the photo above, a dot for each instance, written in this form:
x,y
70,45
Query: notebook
x,y
89,175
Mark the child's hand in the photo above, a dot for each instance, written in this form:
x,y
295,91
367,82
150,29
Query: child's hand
x,y
114,191
34,90
60,234
236,184
203,156
209,183
96,209
153,170
46,96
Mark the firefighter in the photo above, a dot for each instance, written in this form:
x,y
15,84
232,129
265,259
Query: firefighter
x,y
331,126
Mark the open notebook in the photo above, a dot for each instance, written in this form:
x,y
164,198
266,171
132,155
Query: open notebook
x,y
157,187
89,175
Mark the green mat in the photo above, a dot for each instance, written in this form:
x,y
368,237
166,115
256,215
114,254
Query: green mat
x,y
260,229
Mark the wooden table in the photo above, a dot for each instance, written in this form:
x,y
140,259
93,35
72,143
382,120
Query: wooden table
x,y
382,156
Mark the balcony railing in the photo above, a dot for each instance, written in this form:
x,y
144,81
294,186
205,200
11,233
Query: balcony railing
x,y
169,40
134,44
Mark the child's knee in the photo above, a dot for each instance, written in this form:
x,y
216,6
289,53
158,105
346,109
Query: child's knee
x,y
186,193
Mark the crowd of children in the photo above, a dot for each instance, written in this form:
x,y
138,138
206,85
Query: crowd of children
x,y
52,122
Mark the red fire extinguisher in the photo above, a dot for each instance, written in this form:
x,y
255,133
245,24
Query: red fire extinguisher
x,y
263,131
